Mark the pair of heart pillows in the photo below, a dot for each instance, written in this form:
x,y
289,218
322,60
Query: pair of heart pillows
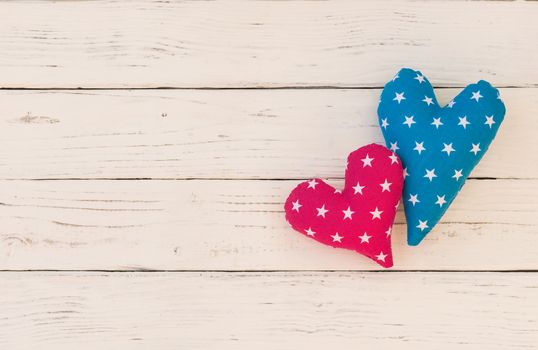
x,y
432,151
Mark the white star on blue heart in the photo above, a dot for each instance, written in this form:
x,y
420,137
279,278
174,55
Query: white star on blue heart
x,y
439,147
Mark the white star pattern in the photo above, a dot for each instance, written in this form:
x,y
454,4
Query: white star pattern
x,y
376,214
448,148
457,174
384,123
312,183
381,256
358,188
322,211
489,121
399,97
438,145
463,122
430,174
413,198
348,213
419,147
358,218
337,238
310,232
475,149
440,200
388,231
367,161
385,186
428,100
437,122
476,96
365,238
409,121
345,220
422,225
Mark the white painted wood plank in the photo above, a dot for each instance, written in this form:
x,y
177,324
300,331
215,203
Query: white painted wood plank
x,y
240,225
268,311
266,43
220,134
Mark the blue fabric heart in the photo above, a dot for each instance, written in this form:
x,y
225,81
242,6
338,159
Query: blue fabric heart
x,y
439,147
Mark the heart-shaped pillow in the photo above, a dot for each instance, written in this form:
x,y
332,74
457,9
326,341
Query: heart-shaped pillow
x,y
439,147
359,217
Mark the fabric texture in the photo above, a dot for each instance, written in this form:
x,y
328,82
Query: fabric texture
x,y
359,217
439,147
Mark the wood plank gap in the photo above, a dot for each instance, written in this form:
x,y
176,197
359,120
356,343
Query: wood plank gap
x,y
273,271
479,178
240,88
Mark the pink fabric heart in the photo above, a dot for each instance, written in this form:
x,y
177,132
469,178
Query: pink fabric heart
x,y
359,217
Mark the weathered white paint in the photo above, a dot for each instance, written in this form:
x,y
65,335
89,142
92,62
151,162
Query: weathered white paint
x,y
240,225
282,310
264,43
244,136
220,134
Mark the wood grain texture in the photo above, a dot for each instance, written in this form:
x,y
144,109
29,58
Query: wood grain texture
x,y
239,134
268,311
264,43
208,171
240,225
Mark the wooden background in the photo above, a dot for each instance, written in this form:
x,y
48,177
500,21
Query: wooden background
x,y
147,148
